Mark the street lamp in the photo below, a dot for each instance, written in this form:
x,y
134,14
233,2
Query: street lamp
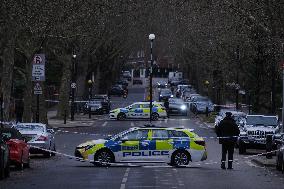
x,y
90,83
73,85
151,37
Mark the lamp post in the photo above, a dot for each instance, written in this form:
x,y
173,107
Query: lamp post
x,y
151,37
90,83
73,86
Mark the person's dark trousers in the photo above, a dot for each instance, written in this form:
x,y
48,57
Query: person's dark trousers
x,y
168,113
227,148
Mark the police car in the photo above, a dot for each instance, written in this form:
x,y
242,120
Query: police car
x,y
139,110
175,146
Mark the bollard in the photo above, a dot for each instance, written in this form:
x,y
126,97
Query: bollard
x,y
65,115
268,146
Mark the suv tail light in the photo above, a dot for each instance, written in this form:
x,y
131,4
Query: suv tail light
x,y
42,138
200,142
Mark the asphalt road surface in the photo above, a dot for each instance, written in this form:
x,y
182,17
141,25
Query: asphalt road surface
x,y
62,173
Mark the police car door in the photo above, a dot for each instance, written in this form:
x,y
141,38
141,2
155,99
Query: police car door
x,y
135,111
160,145
146,110
135,146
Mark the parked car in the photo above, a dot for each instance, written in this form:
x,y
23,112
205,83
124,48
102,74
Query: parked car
x,y
19,149
137,82
4,158
94,106
254,131
181,88
238,116
187,92
165,94
177,106
200,104
38,135
104,100
122,82
126,75
184,82
116,90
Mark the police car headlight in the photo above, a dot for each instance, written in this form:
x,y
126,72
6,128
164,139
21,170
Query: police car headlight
x,y
183,107
172,96
161,95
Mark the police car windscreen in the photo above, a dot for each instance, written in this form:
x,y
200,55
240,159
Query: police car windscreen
x,y
260,120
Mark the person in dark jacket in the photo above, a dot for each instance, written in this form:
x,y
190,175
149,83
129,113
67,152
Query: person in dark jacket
x,y
167,106
228,131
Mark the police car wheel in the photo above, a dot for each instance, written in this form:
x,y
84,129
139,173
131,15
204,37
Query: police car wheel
x,y
155,116
180,158
121,116
103,158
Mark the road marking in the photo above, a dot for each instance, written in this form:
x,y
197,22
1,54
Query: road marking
x,y
132,124
104,124
124,179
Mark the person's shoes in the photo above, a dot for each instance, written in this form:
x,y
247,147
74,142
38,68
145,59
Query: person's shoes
x,y
230,164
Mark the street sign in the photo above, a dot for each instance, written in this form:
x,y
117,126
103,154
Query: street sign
x,y
73,85
38,71
37,89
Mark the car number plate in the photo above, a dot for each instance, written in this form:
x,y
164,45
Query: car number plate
x,y
92,108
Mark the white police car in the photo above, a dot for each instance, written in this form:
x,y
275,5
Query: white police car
x,y
139,110
175,146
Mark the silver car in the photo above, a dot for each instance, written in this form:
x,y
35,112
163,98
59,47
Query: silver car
x,y
38,135
177,106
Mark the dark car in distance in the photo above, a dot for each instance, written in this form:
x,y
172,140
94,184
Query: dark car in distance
x,y
116,90
165,94
95,107
104,100
137,82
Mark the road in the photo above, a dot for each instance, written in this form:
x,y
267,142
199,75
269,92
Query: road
x,y
61,172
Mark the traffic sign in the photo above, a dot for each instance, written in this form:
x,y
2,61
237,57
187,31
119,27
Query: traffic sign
x,y
73,85
37,89
38,71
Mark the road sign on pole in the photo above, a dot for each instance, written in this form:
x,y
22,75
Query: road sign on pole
x,y
38,70
37,89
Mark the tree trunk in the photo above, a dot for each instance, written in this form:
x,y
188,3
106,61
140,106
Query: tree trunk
x,y
28,109
64,94
7,76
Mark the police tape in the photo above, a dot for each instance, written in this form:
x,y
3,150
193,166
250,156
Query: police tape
x,y
119,164
79,133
